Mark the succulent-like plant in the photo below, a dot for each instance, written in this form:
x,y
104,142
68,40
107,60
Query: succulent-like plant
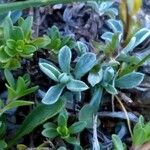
x,y
19,88
15,91
66,78
104,8
141,133
16,42
58,40
62,130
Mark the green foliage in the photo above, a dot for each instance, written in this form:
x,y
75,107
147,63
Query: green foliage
x,y
141,132
3,144
58,40
65,77
37,116
118,145
17,42
19,88
108,70
62,130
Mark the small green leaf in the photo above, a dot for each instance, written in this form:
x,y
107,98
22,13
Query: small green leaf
x,y
28,49
117,142
81,48
41,42
53,94
64,59
50,70
77,127
17,33
84,64
86,114
49,125
9,77
129,81
72,140
76,85
15,104
27,26
50,133
62,120
111,89
95,78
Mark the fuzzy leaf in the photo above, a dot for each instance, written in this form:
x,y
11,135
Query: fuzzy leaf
x,y
129,81
38,116
51,71
95,78
64,59
77,127
141,35
81,48
53,94
85,63
96,97
107,36
111,89
50,133
76,86
86,114
115,25
130,46
73,140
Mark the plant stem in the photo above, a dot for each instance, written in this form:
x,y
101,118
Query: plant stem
x,y
126,114
6,7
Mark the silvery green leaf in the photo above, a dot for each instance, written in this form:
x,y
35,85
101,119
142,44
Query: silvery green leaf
x,y
81,48
50,70
86,114
53,94
76,86
64,59
77,127
85,63
115,25
111,12
96,97
107,36
105,5
111,89
108,74
130,46
129,81
95,78
141,35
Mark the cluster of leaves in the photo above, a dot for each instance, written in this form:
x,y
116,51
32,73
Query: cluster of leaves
x,y
15,91
62,130
115,69
16,42
141,135
58,40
